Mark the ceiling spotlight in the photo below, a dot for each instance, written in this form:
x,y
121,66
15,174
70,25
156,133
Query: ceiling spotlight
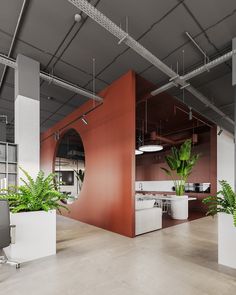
x,y
84,120
78,18
190,115
220,131
151,148
138,152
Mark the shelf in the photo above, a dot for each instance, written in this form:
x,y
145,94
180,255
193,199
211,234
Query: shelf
x,y
8,162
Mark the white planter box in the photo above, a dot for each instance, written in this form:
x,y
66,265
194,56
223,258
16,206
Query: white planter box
x,y
226,240
179,207
35,235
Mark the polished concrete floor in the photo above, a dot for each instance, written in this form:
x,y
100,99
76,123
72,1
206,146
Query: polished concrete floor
x,y
177,260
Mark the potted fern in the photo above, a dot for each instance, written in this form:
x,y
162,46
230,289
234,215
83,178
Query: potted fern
x,y
180,163
33,208
224,205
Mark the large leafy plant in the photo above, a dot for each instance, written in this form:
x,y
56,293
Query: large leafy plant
x,y
180,162
224,201
40,194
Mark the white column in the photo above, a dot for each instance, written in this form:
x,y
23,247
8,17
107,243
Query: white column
x,y
27,114
234,86
225,158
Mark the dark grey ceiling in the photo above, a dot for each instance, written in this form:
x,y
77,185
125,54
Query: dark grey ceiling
x,y
49,35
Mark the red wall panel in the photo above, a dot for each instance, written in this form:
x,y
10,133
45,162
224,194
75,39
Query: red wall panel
x,y
107,196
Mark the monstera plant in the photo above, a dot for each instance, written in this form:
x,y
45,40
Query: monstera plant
x,y
180,162
224,201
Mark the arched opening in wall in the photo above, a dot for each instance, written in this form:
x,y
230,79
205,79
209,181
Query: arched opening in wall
x,y
69,165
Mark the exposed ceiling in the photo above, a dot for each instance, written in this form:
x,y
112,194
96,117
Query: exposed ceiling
x,y
49,34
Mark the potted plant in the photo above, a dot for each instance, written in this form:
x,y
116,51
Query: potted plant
x,y
180,162
33,208
224,205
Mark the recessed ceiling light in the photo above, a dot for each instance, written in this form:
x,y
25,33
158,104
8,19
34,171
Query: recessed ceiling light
x,y
151,148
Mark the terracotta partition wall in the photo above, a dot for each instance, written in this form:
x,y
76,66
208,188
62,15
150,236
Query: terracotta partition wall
x,y
107,196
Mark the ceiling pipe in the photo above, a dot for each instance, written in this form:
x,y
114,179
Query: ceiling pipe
x,y
7,61
154,136
54,80
13,40
69,86
197,46
124,37
190,128
206,67
193,116
209,65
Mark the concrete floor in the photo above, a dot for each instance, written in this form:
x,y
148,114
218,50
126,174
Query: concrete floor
x,y
174,261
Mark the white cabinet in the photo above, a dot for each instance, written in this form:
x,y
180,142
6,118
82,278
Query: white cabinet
x,y
8,165
147,220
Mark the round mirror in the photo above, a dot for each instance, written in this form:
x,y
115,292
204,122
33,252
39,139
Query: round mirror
x,y
70,165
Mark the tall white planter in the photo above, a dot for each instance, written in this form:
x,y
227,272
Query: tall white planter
x,y
35,235
179,207
226,240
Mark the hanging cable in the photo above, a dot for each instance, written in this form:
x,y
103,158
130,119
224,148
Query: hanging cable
x,y
94,77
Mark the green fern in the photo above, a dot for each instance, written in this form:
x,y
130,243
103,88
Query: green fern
x,y
226,203
35,195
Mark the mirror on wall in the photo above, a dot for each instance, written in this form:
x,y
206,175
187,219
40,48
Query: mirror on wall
x,y
70,165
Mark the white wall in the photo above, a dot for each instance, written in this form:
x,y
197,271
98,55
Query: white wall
x,y
159,185
225,157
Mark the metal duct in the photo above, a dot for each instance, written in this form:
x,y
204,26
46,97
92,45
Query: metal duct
x,y
163,88
209,65
7,61
69,86
195,72
54,80
123,36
